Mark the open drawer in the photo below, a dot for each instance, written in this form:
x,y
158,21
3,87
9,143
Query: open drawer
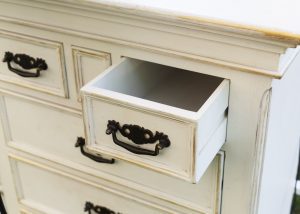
x,y
163,118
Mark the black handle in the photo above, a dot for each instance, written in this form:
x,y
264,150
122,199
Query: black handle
x,y
26,62
138,135
81,142
89,207
2,208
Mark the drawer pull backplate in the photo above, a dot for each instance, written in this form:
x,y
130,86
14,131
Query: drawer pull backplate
x,y
137,135
26,62
89,207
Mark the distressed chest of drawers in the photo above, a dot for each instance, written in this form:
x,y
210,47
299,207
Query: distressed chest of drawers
x,y
144,107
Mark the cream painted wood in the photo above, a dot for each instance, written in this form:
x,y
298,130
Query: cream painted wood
x,y
138,191
247,53
51,81
68,42
282,142
88,64
1,189
46,195
249,57
50,131
165,99
58,146
90,180
281,20
7,186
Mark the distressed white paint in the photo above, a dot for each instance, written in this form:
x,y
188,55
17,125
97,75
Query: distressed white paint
x,y
53,198
282,142
269,15
88,64
52,80
249,56
209,45
56,143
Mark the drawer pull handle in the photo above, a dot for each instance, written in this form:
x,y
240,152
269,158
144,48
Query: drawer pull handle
x,y
89,207
138,135
26,62
2,208
81,142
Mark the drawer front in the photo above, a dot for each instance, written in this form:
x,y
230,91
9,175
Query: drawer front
x,y
52,135
33,63
173,160
88,64
58,192
169,120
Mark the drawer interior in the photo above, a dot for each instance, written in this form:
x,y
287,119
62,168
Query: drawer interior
x,y
159,83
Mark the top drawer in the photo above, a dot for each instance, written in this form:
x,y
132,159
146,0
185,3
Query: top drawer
x,y
33,63
167,119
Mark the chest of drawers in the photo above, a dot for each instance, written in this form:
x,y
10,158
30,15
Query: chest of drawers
x,y
121,108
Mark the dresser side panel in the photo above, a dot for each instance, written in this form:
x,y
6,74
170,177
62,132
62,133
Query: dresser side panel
x,y
282,144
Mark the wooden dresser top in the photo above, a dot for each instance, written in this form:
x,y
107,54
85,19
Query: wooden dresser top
x,y
276,19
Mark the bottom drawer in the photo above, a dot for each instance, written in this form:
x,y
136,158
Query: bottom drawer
x,y
48,190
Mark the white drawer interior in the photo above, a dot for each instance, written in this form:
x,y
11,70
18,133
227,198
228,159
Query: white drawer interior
x,y
162,84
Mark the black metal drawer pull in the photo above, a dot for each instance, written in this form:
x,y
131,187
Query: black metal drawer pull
x,y
138,135
26,62
2,208
89,207
81,142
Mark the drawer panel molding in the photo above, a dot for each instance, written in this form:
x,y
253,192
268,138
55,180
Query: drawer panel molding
x,y
171,202
31,192
88,64
52,80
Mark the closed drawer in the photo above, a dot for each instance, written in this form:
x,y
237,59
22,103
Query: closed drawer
x,y
88,64
33,63
58,192
51,134
163,118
